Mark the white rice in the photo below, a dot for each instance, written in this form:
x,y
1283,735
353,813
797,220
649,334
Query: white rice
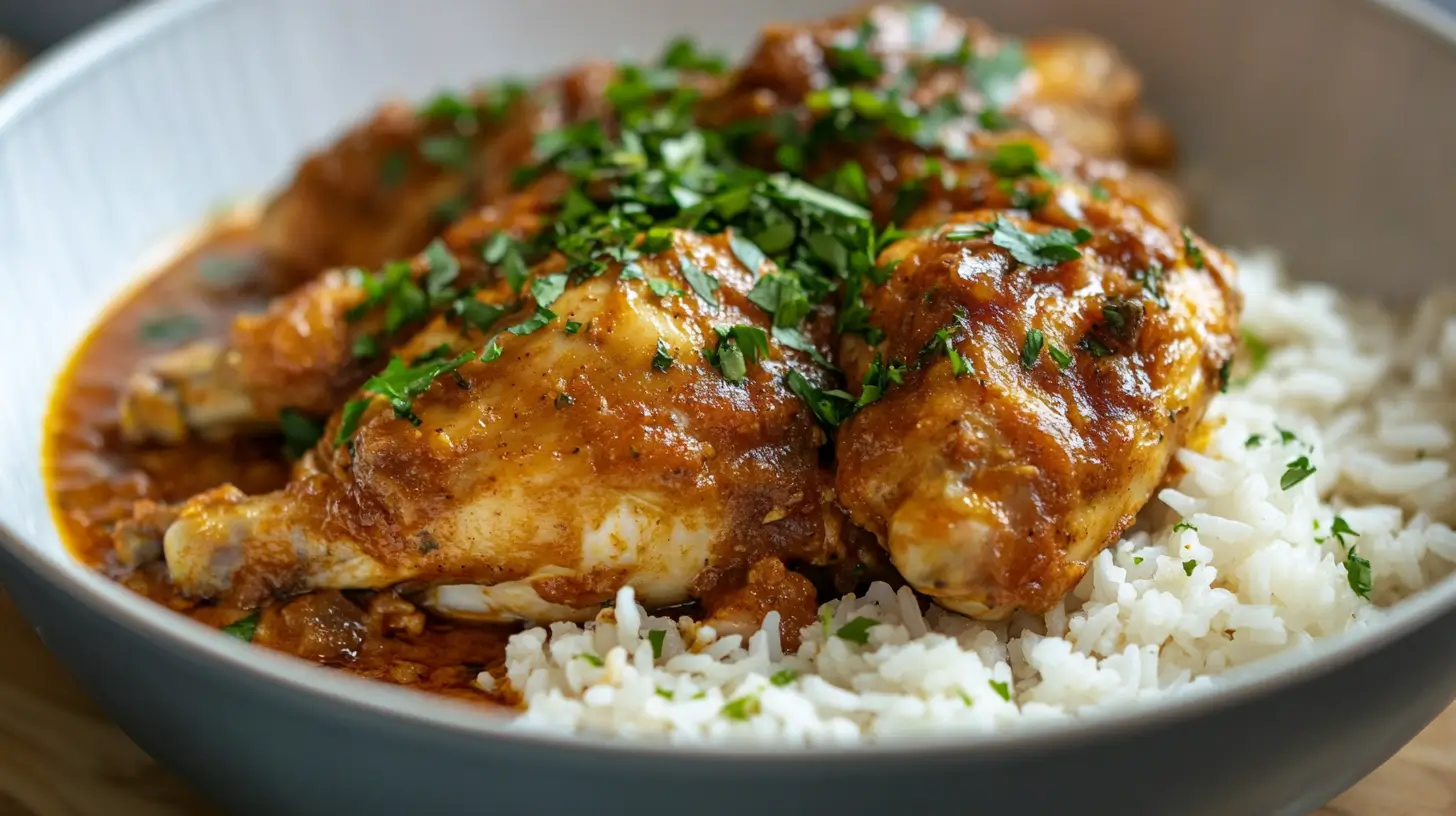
x,y
1224,568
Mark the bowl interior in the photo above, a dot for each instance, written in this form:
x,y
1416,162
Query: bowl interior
x,y
120,144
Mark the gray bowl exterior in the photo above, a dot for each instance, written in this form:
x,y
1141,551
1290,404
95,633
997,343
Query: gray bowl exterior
x,y
1322,127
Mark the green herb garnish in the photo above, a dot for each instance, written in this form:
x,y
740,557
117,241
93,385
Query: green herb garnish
x,y
449,152
783,677
1192,251
857,630
243,629
1031,348
1002,689
662,360
1059,356
1358,573
170,329
742,708
1054,246
1296,472
1189,566
656,637
300,433
1184,525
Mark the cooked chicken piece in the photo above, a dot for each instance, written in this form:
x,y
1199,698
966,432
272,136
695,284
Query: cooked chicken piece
x,y
598,450
1042,397
392,183
907,91
302,353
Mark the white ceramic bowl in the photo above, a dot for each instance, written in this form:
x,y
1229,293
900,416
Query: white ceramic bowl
x,y
1322,127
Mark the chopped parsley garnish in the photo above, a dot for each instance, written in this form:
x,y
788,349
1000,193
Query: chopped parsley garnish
x,y
547,288
747,252
1340,528
1137,559
998,75
656,637
349,420
535,322
831,407
857,630
1189,566
1254,441
399,384
572,327
1003,690
1031,348
702,283
1184,525
663,693
877,380
1059,356
682,54
221,269
593,659
783,677
944,340
1054,246
1358,573
1296,472
1192,251
1094,347
737,347
243,629
1223,376
172,328
662,288
1285,437
1151,279
491,352
1016,160
564,400
300,433
1258,351
742,708
662,360
450,152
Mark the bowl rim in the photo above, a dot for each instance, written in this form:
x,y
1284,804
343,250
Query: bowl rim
x,y
118,33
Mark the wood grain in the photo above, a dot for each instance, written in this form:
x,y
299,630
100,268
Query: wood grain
x,y
60,756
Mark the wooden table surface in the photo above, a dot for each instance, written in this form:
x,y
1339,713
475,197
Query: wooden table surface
x,y
59,756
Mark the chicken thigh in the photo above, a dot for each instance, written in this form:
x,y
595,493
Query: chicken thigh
x,y
577,450
1035,371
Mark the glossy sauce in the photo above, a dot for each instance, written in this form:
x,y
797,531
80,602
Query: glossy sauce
x,y
94,478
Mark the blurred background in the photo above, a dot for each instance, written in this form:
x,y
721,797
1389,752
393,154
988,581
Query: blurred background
x,y
37,24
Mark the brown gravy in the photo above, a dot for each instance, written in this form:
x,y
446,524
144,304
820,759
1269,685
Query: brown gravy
x,y
94,477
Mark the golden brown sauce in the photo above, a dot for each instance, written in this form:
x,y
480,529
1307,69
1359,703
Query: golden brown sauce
x,y
94,478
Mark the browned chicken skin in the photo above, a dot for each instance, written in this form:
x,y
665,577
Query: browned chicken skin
x,y
539,481
992,476
392,183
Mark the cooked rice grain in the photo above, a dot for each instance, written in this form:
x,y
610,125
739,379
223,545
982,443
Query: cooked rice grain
x,y
1226,567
